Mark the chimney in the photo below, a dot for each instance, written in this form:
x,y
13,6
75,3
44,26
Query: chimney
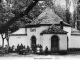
x,y
61,25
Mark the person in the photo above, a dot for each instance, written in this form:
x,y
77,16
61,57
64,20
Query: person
x,y
41,49
13,48
18,48
9,49
24,46
24,50
38,49
6,48
28,49
34,48
21,47
46,50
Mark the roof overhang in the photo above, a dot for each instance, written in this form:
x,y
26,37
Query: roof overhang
x,y
37,25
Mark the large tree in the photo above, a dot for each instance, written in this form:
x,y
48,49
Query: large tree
x,y
18,10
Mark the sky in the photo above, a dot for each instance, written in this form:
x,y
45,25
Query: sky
x,y
62,3
71,6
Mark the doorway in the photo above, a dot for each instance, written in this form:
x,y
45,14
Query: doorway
x,y
54,43
33,43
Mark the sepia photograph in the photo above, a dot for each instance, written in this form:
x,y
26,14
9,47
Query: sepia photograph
x,y
39,29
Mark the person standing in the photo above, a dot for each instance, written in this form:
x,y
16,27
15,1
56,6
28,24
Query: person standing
x,y
46,50
18,48
38,49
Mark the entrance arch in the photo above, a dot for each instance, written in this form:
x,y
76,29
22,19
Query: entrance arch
x,y
33,42
54,43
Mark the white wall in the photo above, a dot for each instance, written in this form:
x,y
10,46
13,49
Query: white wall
x,y
75,41
26,39
20,31
18,39
46,41
36,33
62,42
15,40
68,29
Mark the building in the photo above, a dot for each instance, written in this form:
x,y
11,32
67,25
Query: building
x,y
47,30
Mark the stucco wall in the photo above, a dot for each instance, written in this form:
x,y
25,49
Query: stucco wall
x,y
36,32
75,41
26,39
68,29
20,31
63,41
15,40
46,39
18,39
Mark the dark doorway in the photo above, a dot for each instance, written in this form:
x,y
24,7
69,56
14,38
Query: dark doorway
x,y
54,44
33,43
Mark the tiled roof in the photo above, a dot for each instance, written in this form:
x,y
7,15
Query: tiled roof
x,y
48,16
54,29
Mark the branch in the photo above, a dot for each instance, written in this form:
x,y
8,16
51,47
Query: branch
x,y
2,36
10,22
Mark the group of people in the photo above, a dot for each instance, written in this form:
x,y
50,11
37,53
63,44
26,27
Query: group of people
x,y
22,49
37,48
18,49
34,49
11,49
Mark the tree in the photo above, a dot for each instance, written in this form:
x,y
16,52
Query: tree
x,y
18,14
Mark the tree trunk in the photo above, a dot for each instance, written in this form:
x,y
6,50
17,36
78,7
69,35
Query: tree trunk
x,y
2,40
7,38
8,42
3,43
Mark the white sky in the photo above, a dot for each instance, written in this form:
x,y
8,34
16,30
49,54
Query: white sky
x,y
59,2
71,7
62,3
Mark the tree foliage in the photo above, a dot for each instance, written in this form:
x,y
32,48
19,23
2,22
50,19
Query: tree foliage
x,y
15,7
12,8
